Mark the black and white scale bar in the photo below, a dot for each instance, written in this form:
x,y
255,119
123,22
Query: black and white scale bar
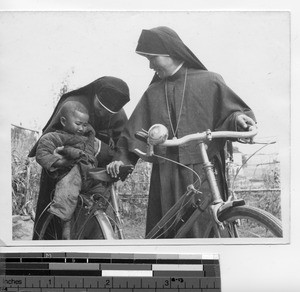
x,y
82,272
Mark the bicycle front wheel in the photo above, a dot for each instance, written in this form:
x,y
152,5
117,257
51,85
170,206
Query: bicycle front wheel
x,y
49,228
246,222
94,226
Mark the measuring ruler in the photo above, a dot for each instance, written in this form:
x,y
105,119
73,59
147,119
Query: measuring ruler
x,y
97,272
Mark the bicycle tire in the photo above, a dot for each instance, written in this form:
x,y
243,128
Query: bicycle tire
x,y
50,229
96,226
247,222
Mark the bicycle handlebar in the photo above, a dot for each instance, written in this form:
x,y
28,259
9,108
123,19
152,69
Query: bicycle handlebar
x,y
208,135
101,174
201,137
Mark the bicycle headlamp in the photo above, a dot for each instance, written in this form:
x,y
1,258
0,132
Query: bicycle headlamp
x,y
157,134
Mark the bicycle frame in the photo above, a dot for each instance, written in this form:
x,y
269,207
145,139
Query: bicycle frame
x,y
217,205
115,206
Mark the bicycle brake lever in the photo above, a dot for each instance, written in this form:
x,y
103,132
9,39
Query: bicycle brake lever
x,y
142,135
141,154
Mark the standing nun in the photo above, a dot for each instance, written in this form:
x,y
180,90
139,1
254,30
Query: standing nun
x,y
186,98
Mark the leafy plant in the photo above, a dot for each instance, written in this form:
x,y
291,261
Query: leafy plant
x,y
133,194
25,172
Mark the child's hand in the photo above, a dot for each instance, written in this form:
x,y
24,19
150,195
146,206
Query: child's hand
x,y
56,152
62,161
111,143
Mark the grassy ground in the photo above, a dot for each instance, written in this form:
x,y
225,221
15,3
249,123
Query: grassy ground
x,y
134,222
133,230
22,229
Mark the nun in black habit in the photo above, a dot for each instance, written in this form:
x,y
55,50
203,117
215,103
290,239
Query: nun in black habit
x,y
104,98
186,98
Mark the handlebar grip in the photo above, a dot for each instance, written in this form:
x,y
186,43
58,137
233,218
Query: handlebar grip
x,y
101,174
124,171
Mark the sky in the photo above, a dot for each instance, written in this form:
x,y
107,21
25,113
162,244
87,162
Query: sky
x,y
43,51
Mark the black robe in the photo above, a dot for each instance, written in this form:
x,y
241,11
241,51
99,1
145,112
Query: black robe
x,y
207,103
107,129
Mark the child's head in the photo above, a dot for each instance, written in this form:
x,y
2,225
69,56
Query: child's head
x,y
74,117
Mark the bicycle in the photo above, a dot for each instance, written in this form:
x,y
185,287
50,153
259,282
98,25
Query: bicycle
x,y
230,217
94,217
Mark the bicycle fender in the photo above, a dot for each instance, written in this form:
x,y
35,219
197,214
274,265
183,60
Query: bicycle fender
x,y
105,224
230,204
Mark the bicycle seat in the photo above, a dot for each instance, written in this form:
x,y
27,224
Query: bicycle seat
x,y
102,175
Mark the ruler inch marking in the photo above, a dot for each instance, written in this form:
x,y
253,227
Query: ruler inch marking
x,y
123,282
208,282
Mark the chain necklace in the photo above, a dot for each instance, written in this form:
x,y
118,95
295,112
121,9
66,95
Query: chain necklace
x,y
181,106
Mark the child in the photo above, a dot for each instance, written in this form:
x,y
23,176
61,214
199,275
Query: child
x,y
67,154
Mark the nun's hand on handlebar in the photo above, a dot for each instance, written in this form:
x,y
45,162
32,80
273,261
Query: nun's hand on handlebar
x,y
114,167
244,122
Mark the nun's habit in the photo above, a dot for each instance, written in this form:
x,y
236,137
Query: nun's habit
x,y
112,93
190,101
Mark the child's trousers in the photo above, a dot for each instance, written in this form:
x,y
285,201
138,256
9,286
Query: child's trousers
x,y
66,194
68,189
